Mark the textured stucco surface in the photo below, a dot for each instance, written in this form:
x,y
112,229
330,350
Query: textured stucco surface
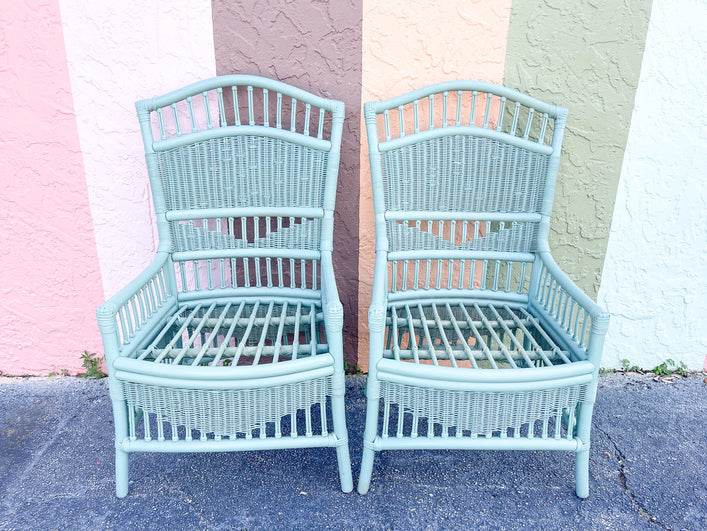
x,y
48,260
119,52
75,212
315,46
408,45
655,275
585,56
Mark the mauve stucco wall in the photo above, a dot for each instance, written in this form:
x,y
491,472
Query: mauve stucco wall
x,y
50,276
119,52
655,274
408,45
585,56
316,46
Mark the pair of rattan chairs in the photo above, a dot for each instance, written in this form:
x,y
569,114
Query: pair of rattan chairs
x,y
232,338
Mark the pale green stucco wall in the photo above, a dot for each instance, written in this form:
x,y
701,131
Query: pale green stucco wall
x,y
584,55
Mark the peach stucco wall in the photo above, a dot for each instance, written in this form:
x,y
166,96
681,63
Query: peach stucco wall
x,y
48,261
407,46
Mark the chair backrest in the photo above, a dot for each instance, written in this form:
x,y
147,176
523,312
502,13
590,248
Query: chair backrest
x,y
243,173
463,178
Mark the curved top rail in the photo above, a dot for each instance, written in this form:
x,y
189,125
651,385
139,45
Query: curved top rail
x,y
423,136
334,106
242,130
378,107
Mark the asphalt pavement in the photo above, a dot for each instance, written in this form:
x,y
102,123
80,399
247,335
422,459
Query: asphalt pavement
x,y
648,470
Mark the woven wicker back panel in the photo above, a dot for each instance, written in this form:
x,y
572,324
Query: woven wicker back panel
x,y
476,149
463,173
243,171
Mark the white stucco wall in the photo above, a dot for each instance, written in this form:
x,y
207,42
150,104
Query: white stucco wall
x,y
655,272
119,52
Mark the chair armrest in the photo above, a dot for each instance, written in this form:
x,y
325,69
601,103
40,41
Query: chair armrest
x,y
124,319
568,308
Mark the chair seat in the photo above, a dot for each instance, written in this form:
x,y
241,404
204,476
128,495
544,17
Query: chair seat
x,y
443,361
470,335
238,333
207,369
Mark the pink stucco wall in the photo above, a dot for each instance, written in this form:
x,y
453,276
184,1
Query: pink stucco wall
x,y
407,46
50,277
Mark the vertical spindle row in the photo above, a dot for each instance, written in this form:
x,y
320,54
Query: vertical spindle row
x,y
136,311
211,274
497,275
491,113
202,117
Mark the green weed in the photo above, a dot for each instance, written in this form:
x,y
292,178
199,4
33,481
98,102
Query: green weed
x,y
669,367
353,371
627,367
92,363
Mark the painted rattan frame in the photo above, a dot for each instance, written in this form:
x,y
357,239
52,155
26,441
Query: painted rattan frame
x,y
231,339
453,363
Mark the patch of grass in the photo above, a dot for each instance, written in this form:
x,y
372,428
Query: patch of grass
x,y
92,363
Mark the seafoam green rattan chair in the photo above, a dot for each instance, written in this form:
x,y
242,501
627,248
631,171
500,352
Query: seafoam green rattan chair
x,y
477,339
231,339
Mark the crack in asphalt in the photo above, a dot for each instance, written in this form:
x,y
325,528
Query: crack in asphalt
x,y
620,457
189,502
9,503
